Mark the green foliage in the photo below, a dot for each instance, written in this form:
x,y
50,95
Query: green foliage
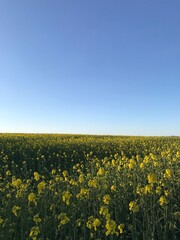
x,y
89,187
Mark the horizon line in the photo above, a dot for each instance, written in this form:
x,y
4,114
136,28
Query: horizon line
x,y
89,134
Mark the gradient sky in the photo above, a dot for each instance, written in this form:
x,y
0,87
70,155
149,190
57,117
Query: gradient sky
x,y
90,66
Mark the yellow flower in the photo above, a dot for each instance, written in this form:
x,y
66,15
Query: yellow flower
x,y
1,220
163,201
105,212
140,190
141,165
110,227
15,210
96,223
153,157
168,173
84,193
89,222
93,183
158,190
8,173
51,207
63,219
133,207
146,159
53,171
100,171
73,183
166,193
66,179
93,223
113,188
106,199
65,173
81,177
31,197
156,163
34,233
16,182
36,176
147,189
131,164
119,168
113,162
152,178
66,195
41,186
37,219
121,228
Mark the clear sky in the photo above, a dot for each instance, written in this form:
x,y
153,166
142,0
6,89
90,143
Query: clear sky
x,y
90,66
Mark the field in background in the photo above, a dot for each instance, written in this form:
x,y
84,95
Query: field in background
x,y
81,187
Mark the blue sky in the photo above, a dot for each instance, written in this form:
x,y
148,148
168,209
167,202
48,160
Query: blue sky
x,y
90,66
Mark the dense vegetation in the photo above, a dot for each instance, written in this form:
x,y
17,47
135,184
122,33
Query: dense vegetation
x,y
81,187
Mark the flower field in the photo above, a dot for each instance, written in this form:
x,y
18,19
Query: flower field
x,y
78,187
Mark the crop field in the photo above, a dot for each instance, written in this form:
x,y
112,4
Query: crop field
x,y
81,187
